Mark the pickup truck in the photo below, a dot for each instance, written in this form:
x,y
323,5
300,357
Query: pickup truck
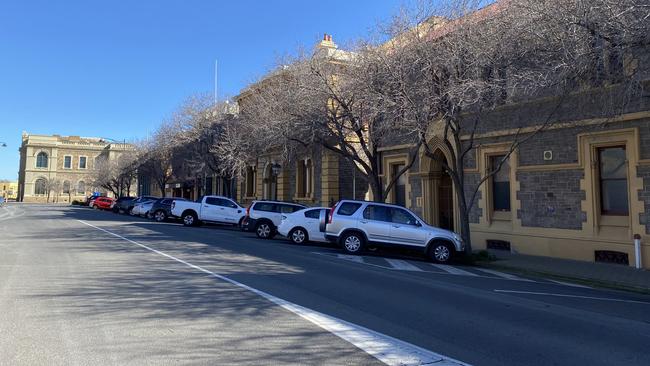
x,y
215,209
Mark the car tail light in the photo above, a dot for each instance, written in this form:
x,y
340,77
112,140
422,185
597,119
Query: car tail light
x,y
329,221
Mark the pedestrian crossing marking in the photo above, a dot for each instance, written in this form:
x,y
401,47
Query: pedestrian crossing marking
x,y
453,270
402,265
503,275
351,258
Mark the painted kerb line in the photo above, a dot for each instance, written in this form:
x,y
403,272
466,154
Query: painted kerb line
x,y
386,349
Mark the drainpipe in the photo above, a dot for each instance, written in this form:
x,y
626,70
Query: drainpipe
x,y
637,250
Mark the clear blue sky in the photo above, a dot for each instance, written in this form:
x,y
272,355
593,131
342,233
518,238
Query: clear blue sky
x,y
117,68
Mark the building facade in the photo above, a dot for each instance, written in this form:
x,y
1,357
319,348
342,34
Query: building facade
x,y
9,190
57,168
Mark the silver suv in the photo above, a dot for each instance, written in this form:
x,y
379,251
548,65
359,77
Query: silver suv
x,y
354,224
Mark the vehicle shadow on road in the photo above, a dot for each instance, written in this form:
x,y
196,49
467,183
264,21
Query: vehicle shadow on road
x,y
161,309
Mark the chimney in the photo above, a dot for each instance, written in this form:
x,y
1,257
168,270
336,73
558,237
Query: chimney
x,y
327,42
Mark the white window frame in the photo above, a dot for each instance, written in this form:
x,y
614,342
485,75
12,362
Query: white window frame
x,y
67,167
79,162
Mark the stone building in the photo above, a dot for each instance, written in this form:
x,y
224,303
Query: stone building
x,y
578,190
57,168
9,190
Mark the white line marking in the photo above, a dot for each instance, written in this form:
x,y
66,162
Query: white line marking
x,y
351,258
453,270
570,284
402,265
386,349
504,275
574,296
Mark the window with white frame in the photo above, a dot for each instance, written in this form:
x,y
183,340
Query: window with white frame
x,y
67,162
82,162
41,160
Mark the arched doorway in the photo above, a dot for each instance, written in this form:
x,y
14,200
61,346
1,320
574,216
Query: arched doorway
x,y
439,199
270,183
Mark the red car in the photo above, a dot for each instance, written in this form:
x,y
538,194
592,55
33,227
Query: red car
x,y
104,203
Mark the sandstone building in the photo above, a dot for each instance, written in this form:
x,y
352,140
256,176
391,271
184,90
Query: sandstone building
x,y
57,168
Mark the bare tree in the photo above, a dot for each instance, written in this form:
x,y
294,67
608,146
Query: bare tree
x,y
318,99
116,175
447,68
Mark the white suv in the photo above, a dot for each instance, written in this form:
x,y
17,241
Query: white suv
x,y
263,217
354,224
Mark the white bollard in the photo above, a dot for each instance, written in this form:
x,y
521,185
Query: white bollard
x,y
637,250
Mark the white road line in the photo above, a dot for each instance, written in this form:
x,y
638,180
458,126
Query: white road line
x,y
570,284
573,296
453,270
504,275
386,349
402,265
351,258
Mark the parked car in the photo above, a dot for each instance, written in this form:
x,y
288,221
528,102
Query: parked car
x,y
263,217
102,203
303,226
122,204
91,198
162,208
130,204
216,209
355,224
142,208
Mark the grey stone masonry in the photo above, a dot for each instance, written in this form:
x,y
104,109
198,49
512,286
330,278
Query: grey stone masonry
x,y
551,199
471,180
644,195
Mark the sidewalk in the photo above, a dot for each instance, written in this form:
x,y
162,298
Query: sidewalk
x,y
598,274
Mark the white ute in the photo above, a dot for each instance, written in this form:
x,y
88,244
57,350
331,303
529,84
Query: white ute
x,y
215,209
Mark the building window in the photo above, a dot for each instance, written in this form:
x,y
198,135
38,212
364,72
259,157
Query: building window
x,y
304,178
500,184
41,160
82,162
250,181
66,187
613,181
40,187
81,187
399,188
67,162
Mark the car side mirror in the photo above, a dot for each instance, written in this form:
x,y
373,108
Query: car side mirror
x,y
418,223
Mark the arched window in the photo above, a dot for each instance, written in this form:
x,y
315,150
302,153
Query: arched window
x,y
81,187
66,187
40,187
41,160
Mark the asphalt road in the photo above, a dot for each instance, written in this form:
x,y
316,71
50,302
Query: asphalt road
x,y
80,287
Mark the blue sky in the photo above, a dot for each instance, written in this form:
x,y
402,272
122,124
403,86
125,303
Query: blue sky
x,y
116,69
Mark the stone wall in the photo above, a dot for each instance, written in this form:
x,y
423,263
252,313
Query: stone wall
x,y
551,199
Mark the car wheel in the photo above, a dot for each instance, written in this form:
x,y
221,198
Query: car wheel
x,y
440,252
298,236
115,210
159,216
190,219
352,243
130,211
264,230
95,207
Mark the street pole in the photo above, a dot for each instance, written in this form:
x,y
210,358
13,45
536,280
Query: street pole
x,y
637,250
